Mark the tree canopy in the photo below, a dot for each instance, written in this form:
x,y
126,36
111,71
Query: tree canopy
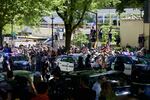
x,y
129,3
21,9
73,11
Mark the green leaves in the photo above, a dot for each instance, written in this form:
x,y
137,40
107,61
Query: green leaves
x,y
98,4
28,10
129,3
80,39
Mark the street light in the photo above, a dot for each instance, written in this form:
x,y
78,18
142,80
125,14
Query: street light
x,y
12,27
52,30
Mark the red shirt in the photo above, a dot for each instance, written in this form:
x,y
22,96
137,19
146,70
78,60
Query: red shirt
x,y
41,97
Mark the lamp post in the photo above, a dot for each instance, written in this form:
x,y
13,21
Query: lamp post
x,y
12,29
52,31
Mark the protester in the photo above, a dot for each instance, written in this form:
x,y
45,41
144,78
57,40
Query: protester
x,y
42,90
7,49
84,92
97,64
107,92
80,66
88,62
56,86
97,88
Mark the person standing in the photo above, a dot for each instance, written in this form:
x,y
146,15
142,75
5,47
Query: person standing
x,y
97,88
110,36
141,40
117,40
42,90
7,49
93,36
56,86
88,61
80,64
97,63
100,35
107,92
84,92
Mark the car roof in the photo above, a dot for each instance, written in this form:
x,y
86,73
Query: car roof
x,y
72,55
91,73
22,73
75,54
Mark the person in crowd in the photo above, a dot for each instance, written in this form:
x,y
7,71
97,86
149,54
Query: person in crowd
x,y
119,65
97,64
12,85
37,79
142,95
45,68
80,66
33,60
107,92
103,61
84,92
110,37
88,61
24,88
118,40
100,35
7,49
93,36
56,86
97,88
42,90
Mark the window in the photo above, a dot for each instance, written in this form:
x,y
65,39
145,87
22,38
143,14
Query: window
x,y
64,59
70,59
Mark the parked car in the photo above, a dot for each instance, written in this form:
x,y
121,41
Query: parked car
x,y
19,62
67,63
128,61
18,74
140,78
120,84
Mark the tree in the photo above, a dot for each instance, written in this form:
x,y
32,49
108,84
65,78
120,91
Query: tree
x,y
72,12
129,3
80,39
19,9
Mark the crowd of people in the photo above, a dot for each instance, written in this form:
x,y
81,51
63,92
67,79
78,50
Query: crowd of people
x,y
42,60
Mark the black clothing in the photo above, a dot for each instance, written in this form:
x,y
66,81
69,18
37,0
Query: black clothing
x,y
119,65
142,96
87,62
100,35
93,35
110,37
85,94
56,89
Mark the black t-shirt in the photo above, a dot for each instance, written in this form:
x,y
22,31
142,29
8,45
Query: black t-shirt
x,y
85,94
93,33
56,89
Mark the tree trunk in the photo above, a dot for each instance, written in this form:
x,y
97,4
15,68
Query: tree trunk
x,y
1,37
68,38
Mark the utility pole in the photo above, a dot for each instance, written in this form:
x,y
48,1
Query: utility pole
x,y
12,29
52,31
